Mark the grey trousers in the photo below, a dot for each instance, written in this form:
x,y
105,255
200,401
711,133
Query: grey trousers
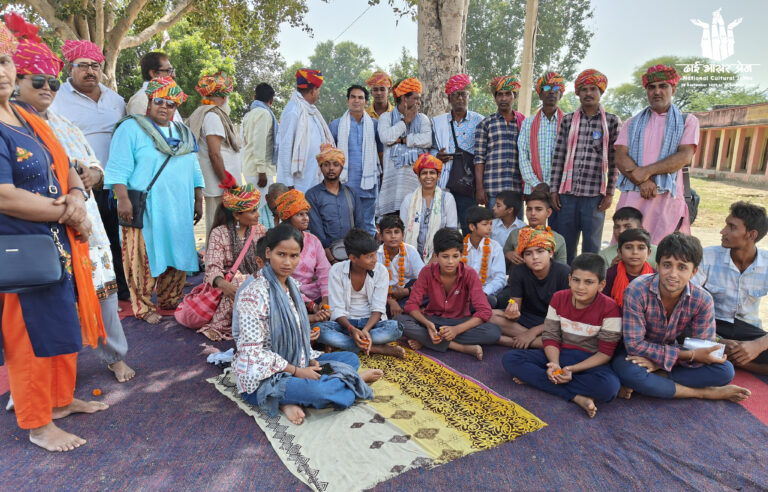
x,y
484,334
115,347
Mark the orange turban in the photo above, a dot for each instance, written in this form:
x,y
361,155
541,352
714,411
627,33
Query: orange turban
x,y
506,83
307,78
329,153
407,86
379,78
218,85
661,73
538,237
427,161
290,203
238,198
591,76
552,79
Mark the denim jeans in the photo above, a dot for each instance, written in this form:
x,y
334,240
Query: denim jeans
x,y
367,211
334,335
579,215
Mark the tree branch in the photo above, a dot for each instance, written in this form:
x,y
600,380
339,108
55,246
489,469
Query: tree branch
x,y
163,23
47,10
115,36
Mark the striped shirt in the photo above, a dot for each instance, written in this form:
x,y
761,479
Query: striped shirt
x,y
595,328
496,147
442,138
546,143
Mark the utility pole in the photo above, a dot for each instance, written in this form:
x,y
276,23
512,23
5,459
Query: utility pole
x,y
529,48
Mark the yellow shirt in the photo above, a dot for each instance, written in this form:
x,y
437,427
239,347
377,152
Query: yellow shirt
x,y
373,114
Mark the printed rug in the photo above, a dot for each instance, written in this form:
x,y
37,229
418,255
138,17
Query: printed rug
x,y
423,414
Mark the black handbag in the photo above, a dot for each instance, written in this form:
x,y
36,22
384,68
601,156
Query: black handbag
x,y
461,179
138,200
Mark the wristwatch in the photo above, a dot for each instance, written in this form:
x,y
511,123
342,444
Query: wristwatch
x,y
86,196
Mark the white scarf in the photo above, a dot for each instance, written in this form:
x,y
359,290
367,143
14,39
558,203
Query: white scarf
x,y
370,153
412,226
300,150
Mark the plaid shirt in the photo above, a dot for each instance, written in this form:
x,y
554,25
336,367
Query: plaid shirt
x,y
547,139
496,147
588,161
650,334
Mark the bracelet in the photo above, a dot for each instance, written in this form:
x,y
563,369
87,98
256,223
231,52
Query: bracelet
x,y
693,354
85,195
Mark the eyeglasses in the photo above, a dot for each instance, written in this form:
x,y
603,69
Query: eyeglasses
x,y
158,101
85,66
170,71
553,88
38,82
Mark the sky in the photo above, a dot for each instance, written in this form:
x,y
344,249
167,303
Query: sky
x,y
627,33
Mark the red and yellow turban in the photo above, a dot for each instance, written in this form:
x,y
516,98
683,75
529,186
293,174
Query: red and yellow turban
x,y
551,79
538,237
32,55
166,88
218,85
492,84
379,78
8,41
506,83
427,161
290,203
591,76
458,82
72,50
307,78
407,86
329,153
238,198
661,73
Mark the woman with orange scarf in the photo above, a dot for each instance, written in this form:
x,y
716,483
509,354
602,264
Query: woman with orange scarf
x,y
43,329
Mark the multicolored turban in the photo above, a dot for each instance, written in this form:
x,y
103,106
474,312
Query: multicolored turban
x,y
32,55
290,203
427,161
329,153
72,50
217,85
661,73
552,79
458,82
306,78
492,84
506,83
8,41
379,78
591,76
238,198
166,88
407,86
538,237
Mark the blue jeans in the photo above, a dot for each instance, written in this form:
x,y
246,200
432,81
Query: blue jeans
x,y
530,366
462,205
334,335
653,384
367,211
579,215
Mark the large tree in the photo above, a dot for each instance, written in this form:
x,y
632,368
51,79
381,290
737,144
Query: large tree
x,y
342,65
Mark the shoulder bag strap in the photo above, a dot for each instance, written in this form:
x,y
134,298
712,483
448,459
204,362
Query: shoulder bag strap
x,y
157,175
348,195
240,258
453,132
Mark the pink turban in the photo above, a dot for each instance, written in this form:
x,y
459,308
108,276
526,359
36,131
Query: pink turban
x,y
661,73
379,78
32,55
72,50
457,83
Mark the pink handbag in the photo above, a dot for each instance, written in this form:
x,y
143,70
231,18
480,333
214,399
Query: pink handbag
x,y
197,308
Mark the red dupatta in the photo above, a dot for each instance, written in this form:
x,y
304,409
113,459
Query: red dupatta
x,y
535,163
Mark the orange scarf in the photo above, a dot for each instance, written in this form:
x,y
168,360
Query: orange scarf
x,y
622,281
88,306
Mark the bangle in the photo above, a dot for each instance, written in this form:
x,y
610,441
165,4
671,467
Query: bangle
x,y
693,354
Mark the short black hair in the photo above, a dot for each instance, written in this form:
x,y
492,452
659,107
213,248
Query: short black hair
x,y
261,248
634,235
284,231
151,61
358,242
753,216
681,247
447,238
538,196
511,199
264,93
476,214
357,86
628,213
590,262
391,221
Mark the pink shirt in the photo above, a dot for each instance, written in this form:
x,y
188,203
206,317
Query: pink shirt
x,y
654,135
312,272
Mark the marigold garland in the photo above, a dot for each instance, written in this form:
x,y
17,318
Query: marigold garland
x,y
486,254
400,268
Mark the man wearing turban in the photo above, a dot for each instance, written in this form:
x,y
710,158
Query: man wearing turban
x,y
461,123
583,176
218,140
652,150
301,131
381,85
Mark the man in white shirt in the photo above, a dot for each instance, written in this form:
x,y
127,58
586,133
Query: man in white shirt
x,y
260,140
483,254
154,64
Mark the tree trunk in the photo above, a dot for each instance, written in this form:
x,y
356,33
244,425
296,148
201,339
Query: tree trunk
x,y
442,28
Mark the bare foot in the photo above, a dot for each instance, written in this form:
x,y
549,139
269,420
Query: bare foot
x,y
729,392
211,335
122,371
625,393
52,438
588,404
414,344
475,350
294,413
393,350
79,406
152,318
518,381
371,375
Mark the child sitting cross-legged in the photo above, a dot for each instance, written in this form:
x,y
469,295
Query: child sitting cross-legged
x,y
357,294
634,248
446,322
581,332
401,259
483,254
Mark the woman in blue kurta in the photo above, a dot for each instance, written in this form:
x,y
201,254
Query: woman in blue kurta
x,y
163,251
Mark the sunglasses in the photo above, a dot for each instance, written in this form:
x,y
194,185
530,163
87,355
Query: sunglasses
x,y
158,101
39,81
553,88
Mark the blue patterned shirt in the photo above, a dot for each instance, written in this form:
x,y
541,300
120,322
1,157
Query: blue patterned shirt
x,y
443,138
496,147
547,141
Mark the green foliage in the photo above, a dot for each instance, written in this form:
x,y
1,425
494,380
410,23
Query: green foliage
x,y
405,67
342,65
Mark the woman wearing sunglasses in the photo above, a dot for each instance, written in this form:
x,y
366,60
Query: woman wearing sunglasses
x,y
143,149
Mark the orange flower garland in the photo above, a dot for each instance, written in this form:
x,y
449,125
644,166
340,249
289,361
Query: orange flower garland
x,y
486,253
400,266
